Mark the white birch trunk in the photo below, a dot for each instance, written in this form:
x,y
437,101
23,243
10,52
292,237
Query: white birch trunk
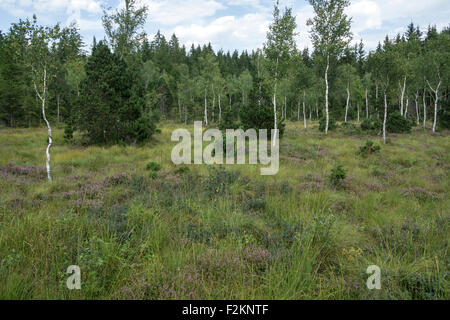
x,y
326,95
214,102
50,140
348,100
304,110
436,98
424,109
367,106
416,100
357,107
179,109
275,106
206,111
406,107
402,96
385,117
220,109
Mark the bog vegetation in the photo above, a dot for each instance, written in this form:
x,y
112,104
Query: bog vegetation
x,y
364,163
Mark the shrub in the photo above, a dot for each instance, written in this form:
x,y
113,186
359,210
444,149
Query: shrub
x,y
396,123
369,148
331,124
181,170
338,174
444,119
153,175
153,166
351,129
371,124
259,113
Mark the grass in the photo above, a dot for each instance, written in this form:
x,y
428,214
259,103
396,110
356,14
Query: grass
x,y
225,232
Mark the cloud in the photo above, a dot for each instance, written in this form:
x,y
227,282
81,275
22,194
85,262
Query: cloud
x,y
233,24
246,32
172,12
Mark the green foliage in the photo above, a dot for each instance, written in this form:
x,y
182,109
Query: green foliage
x,y
444,119
369,148
372,125
331,123
259,113
111,103
228,121
396,123
337,175
180,170
153,166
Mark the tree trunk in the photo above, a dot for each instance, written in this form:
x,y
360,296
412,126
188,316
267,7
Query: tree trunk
x,y
214,102
348,100
206,111
179,109
436,98
50,140
367,106
385,116
424,109
220,110
304,110
298,110
402,96
416,100
406,107
326,95
275,105
357,107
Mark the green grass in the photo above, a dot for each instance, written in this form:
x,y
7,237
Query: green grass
x,y
225,232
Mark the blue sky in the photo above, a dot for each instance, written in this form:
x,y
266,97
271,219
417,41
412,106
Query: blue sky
x,y
231,24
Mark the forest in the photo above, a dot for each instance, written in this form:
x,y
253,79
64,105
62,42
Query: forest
x,y
86,176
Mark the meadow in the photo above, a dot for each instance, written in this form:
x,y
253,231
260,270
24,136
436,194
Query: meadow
x,y
140,227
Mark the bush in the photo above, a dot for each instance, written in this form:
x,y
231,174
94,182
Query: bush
x,y
371,124
259,113
369,148
228,121
181,170
153,175
396,123
338,174
351,129
444,119
153,166
331,124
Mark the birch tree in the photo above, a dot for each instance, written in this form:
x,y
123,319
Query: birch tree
x,y
437,67
330,35
43,60
279,48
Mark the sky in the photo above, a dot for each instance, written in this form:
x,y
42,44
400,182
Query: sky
x,y
230,24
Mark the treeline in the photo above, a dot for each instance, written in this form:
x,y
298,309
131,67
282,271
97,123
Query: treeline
x,y
119,90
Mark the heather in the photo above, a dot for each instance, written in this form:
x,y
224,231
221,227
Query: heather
x,y
225,232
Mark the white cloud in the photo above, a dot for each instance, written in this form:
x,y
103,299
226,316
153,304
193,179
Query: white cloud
x,y
247,32
172,12
240,24
366,14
